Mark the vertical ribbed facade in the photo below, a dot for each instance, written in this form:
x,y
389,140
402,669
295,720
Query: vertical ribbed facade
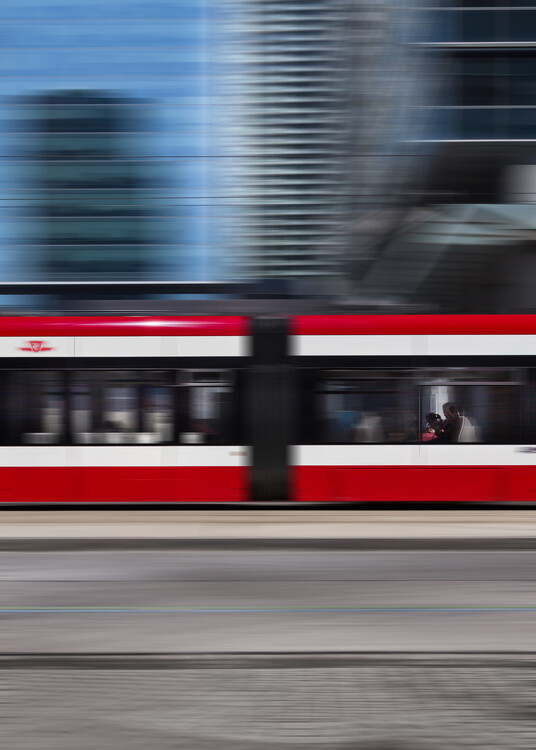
x,y
286,129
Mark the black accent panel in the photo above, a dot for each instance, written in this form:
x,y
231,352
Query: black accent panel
x,y
122,363
324,362
269,409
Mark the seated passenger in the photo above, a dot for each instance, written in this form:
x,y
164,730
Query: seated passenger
x,y
428,434
452,424
434,427
469,432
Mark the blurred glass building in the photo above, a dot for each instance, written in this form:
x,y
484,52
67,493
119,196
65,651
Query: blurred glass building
x,y
378,151
109,140
90,216
285,74
453,226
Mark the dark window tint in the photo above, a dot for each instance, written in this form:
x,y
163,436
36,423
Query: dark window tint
x,y
34,408
206,407
121,407
521,81
194,407
366,407
482,414
474,405
502,79
478,80
516,25
388,406
476,26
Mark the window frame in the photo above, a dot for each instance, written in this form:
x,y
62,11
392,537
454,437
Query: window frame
x,y
68,368
309,368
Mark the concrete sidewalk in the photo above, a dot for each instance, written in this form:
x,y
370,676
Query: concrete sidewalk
x,y
332,529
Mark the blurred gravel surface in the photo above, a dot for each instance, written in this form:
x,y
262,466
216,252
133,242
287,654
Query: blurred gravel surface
x,y
388,705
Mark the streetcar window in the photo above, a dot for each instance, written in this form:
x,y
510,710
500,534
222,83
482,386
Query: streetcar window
x,y
157,412
121,407
365,407
205,406
397,406
485,403
34,408
152,407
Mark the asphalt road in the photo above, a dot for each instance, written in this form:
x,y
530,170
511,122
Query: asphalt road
x,y
266,601
136,650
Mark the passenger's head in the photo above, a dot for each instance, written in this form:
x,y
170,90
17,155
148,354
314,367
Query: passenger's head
x,y
450,411
432,418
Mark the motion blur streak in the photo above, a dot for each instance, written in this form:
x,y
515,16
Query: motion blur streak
x,y
309,165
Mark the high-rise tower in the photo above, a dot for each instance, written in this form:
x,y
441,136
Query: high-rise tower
x,y
286,136
90,215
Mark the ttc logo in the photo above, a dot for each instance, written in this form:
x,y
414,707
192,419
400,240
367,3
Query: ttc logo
x,y
36,346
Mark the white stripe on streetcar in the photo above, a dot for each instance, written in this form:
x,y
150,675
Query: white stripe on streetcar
x,y
359,345
413,455
38,347
123,455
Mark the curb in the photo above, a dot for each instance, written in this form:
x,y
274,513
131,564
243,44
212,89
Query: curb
x,y
388,544
291,660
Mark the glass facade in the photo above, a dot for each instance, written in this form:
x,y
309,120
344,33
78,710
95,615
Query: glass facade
x,y
109,139
482,56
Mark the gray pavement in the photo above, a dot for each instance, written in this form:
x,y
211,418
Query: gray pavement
x,y
267,650
268,601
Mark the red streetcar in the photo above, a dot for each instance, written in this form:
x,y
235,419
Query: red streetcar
x,y
127,409
415,408
337,408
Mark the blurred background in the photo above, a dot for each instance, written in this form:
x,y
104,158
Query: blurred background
x,y
257,157
366,155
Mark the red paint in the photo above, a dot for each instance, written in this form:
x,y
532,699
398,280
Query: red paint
x,y
36,327
123,484
413,324
413,483
230,484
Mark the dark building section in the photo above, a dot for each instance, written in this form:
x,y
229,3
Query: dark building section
x,y
459,233
90,217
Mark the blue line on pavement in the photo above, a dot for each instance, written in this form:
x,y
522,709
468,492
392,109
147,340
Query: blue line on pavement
x,y
262,611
